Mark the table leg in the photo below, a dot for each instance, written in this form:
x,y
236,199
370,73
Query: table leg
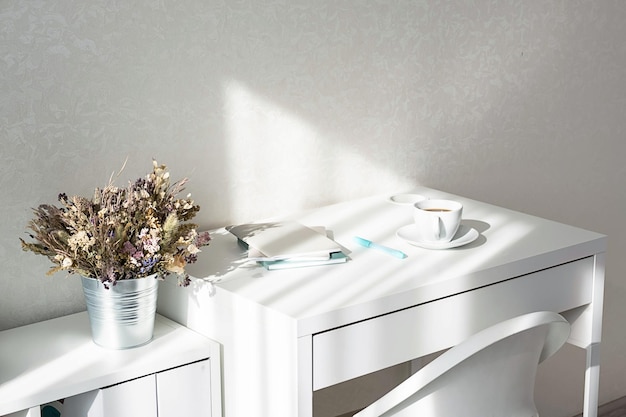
x,y
592,371
592,381
305,376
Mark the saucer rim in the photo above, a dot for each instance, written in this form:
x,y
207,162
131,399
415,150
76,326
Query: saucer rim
x,y
414,199
454,243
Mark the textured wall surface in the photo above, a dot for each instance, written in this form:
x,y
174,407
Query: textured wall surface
x,y
269,106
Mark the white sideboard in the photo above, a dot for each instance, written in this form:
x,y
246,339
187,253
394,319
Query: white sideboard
x,y
177,373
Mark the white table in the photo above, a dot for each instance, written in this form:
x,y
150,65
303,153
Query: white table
x,y
288,333
56,359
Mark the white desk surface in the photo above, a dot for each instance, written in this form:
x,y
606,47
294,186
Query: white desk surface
x,y
319,298
56,359
284,332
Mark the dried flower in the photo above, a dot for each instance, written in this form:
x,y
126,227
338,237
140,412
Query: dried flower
x,y
122,233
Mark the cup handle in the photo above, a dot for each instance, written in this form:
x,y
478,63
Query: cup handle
x,y
436,227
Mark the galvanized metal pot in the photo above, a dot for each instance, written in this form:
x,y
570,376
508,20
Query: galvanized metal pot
x,y
122,316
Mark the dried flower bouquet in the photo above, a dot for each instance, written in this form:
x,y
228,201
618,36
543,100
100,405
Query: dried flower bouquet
x,y
122,233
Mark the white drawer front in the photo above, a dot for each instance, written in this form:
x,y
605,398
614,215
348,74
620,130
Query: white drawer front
x,y
364,347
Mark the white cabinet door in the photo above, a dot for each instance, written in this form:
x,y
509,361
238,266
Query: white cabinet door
x,y
180,392
185,391
130,399
31,412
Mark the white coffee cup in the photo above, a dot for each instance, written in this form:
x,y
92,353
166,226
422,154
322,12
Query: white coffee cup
x,y
437,220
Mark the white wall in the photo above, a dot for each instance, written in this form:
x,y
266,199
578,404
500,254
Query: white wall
x,y
270,106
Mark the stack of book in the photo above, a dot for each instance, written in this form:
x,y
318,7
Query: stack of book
x,y
290,244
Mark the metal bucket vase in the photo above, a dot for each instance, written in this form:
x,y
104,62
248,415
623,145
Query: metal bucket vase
x,y
121,317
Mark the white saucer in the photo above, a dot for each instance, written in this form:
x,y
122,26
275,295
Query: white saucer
x,y
406,199
463,236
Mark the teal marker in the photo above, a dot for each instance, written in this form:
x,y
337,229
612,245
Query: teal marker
x,y
390,251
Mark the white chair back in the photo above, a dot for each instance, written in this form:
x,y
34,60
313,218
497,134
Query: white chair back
x,y
490,374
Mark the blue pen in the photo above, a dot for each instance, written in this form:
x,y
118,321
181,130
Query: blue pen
x,y
369,244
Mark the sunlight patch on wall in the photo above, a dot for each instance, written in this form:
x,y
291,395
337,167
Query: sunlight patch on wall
x,y
279,162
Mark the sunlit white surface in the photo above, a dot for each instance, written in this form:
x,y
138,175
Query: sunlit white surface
x,y
56,359
333,295
296,331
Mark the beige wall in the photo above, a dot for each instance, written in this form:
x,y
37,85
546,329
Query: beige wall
x,y
271,106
